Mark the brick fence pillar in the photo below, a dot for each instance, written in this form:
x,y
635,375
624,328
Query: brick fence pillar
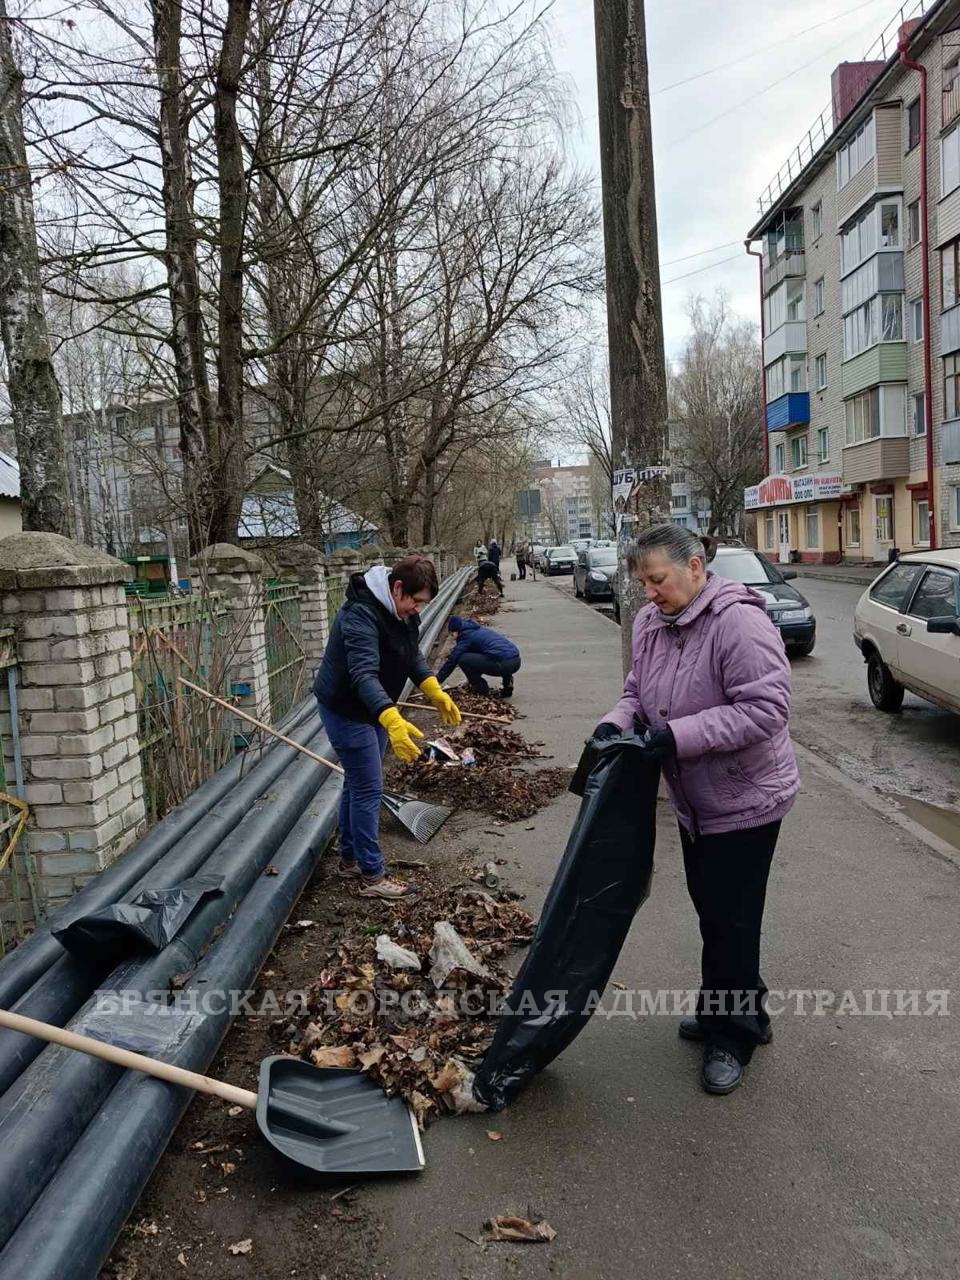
x,y
301,563
78,720
238,574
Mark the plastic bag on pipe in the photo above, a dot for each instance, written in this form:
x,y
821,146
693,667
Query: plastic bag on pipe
x,y
144,1026
146,923
602,879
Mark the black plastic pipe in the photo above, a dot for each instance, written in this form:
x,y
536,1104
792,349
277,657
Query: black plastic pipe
x,y
20,968
62,988
69,1232
43,1114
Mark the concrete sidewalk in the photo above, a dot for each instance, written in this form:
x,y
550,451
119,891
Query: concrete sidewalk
x,y
837,1158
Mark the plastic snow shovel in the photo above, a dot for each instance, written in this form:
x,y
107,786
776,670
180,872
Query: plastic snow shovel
x,y
420,819
322,1121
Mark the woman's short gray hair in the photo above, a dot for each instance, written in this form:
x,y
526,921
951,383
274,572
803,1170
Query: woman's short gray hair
x,y
679,543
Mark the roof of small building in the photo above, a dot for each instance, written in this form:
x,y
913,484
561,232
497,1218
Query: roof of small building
x,y
9,477
274,514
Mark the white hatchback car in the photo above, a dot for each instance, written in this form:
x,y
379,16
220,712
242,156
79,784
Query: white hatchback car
x,y
907,626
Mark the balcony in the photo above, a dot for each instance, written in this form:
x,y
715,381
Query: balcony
x,y
791,410
950,440
950,331
883,172
883,362
790,337
883,458
789,263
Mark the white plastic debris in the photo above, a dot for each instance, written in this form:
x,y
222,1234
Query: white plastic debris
x,y
394,955
448,952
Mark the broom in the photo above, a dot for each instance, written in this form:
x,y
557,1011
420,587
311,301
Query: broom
x,y
420,819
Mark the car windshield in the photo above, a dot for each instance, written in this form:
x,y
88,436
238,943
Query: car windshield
x,y
742,566
561,553
603,558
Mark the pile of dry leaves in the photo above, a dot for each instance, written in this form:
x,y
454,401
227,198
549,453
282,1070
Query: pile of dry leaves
x,y
479,704
480,604
412,1000
494,790
494,740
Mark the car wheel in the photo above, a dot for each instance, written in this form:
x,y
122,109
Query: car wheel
x,y
886,694
805,649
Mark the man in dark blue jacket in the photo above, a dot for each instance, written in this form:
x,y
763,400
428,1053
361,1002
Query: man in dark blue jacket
x,y
481,651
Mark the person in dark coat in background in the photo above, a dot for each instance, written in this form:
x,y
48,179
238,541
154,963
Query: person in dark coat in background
x,y
488,572
481,651
374,648
522,561
493,553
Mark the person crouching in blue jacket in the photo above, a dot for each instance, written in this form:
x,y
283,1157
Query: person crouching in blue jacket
x,y
481,651
374,648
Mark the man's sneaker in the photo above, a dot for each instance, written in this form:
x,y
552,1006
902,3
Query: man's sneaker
x,y
348,870
385,888
722,1071
690,1029
507,690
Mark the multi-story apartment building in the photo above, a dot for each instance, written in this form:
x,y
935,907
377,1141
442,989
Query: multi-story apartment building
x,y
861,345
566,503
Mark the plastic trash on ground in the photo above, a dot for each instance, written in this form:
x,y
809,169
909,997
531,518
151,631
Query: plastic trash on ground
x,y
602,879
448,952
146,923
394,955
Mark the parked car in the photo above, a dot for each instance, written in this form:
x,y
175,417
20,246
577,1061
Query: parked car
x,y
789,611
559,560
580,544
592,575
907,626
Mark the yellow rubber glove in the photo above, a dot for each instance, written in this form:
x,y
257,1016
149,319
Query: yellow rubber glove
x,y
401,734
449,711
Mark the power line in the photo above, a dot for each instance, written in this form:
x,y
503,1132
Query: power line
x,y
700,252
746,102
688,274
745,57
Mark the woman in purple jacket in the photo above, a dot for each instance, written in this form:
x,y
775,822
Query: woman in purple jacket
x,y
710,684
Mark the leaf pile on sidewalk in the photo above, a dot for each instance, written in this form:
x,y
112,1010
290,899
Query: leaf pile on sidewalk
x,y
494,790
480,604
407,1028
495,740
479,704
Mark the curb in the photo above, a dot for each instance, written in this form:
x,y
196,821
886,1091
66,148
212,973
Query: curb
x,y
858,580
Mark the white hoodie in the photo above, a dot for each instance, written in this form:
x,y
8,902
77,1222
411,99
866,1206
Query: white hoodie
x,y
377,580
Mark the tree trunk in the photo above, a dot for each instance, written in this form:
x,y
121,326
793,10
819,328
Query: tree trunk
x,y
35,400
638,383
228,476
429,500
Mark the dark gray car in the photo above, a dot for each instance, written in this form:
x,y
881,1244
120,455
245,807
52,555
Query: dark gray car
x,y
593,574
789,611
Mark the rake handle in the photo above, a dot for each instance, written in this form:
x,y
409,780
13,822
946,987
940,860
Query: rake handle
x,y
467,715
132,1061
245,715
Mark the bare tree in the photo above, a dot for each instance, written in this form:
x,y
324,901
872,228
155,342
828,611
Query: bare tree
x,y
717,401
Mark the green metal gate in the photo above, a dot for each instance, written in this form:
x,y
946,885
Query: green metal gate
x,y
286,656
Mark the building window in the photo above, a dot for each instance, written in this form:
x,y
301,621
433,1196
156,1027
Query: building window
x,y
878,320
768,541
951,387
821,365
858,152
950,274
823,444
954,507
918,414
786,302
881,411
789,374
950,162
921,523
913,124
916,311
798,452
877,228
813,528
913,224
853,526
883,518
679,501
779,460
818,297
890,226
816,214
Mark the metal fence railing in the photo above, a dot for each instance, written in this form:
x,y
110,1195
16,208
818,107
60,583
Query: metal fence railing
x,y
286,656
184,739
336,589
20,898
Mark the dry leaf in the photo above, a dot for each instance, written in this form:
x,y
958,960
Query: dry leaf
x,y
182,1259
340,1056
242,1246
447,1078
422,1106
519,1230
227,1168
371,1057
235,1111
493,1135
201,1195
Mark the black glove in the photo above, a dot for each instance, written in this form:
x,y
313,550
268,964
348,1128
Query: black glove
x,y
660,743
606,730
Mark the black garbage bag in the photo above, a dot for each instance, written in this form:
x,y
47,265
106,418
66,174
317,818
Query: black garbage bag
x,y
146,923
602,879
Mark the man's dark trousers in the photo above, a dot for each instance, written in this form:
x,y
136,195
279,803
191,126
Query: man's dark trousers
x,y
477,665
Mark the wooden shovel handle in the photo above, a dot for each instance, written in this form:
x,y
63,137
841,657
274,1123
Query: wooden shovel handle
x,y
132,1061
467,715
244,715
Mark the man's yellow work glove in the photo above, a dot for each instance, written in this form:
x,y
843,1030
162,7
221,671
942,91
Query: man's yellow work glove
x,y
449,711
401,734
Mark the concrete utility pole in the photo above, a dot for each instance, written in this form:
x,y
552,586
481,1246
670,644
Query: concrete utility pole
x,y
638,380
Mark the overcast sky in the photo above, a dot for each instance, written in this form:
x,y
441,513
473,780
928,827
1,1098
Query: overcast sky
x,y
708,180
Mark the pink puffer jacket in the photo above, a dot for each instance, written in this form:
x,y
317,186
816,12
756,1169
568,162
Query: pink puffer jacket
x,y
721,679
